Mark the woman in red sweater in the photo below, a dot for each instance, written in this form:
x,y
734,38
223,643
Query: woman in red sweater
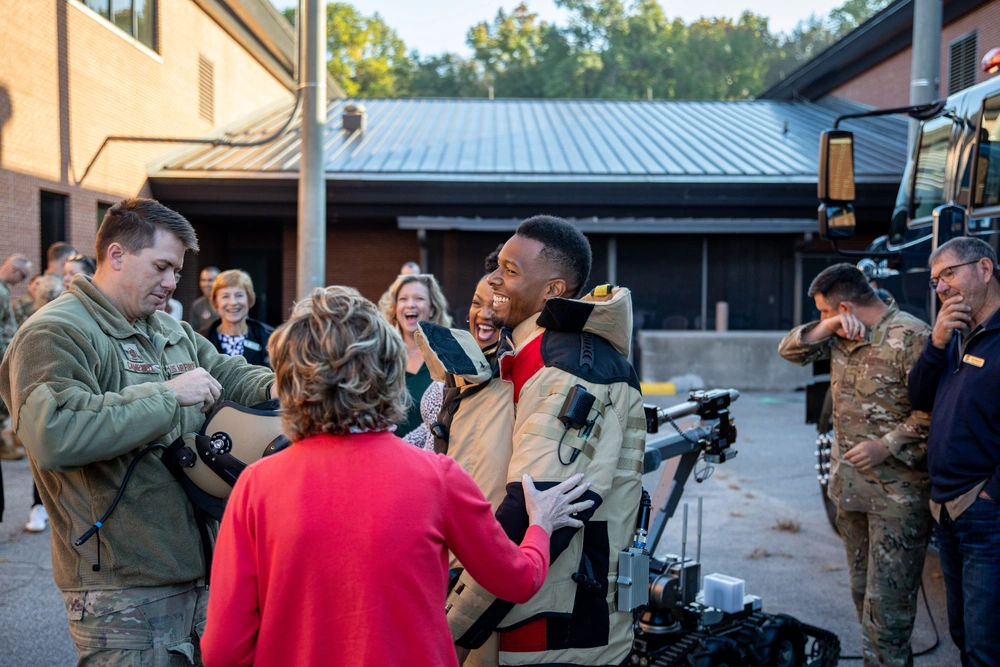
x,y
335,551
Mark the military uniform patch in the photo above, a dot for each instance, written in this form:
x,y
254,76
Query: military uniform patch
x,y
132,352
177,369
140,368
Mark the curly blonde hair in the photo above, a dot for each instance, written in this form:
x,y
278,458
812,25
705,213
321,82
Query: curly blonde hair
x,y
439,305
338,365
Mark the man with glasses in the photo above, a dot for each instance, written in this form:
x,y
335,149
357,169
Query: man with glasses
x,y
958,377
13,272
878,476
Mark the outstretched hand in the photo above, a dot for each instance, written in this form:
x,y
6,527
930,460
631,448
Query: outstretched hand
x,y
554,508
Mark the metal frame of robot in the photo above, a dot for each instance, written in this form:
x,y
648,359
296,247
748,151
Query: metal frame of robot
x,y
701,635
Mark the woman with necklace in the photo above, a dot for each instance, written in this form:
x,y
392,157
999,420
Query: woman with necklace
x,y
235,333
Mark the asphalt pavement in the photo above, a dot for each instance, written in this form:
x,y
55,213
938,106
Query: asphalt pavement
x,y
801,571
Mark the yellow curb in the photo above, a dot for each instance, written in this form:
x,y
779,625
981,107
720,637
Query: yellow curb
x,y
658,388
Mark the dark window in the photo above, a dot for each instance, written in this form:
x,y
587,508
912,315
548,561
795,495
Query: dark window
x,y
987,191
133,17
206,89
932,153
102,210
962,62
53,220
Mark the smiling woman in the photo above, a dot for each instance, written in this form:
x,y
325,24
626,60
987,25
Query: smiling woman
x,y
235,333
412,299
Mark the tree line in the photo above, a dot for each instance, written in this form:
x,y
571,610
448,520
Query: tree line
x,y
610,49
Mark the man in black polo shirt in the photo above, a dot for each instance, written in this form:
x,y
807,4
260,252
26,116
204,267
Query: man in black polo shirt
x,y
957,378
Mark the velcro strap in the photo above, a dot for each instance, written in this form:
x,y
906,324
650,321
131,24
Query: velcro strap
x,y
629,464
570,440
529,638
633,442
636,422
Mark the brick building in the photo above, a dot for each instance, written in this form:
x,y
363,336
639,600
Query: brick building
x,y
871,65
73,72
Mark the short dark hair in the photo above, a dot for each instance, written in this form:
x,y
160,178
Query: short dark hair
x,y
967,249
133,224
564,245
493,260
843,282
59,250
88,264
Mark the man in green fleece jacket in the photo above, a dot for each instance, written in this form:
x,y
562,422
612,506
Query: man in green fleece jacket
x,y
91,379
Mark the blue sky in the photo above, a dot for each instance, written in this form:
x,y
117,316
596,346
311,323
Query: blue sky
x,y
435,26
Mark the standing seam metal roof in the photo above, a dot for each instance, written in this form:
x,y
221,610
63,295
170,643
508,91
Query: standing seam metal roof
x,y
608,140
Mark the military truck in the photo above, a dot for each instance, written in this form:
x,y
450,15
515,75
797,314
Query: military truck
x,y
950,187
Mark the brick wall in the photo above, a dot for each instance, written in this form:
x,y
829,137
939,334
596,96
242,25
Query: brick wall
x,y
888,83
74,79
365,255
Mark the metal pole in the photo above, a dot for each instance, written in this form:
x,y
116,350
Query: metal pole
x,y
704,283
612,260
925,62
311,245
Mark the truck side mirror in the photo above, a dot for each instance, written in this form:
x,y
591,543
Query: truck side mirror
x,y
836,221
836,166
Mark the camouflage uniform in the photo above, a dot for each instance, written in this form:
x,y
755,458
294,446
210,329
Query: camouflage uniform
x,y
138,625
8,327
23,307
883,513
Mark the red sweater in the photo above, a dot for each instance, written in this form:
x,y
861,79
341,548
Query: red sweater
x,y
335,552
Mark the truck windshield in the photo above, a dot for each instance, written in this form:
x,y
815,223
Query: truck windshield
x,y
928,182
988,164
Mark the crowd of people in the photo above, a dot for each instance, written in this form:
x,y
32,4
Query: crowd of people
x,y
433,508
464,542
916,449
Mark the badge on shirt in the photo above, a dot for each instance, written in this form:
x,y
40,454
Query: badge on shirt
x,y
132,352
973,361
251,345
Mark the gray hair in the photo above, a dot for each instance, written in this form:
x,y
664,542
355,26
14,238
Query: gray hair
x,y
967,249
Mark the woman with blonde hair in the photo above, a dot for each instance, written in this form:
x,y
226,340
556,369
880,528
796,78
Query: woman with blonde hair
x,y
412,299
335,550
234,333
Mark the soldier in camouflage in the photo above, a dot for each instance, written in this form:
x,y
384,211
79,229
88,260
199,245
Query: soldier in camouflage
x,y
13,271
878,473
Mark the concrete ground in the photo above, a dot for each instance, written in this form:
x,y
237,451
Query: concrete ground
x,y
800,573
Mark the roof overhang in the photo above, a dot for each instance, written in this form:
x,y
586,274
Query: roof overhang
x,y
624,225
874,41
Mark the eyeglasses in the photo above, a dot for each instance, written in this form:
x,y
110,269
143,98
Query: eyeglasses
x,y
948,274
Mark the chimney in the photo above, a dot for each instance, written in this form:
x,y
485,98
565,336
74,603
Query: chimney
x,y
355,117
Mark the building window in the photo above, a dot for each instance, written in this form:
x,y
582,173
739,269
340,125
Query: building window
x,y
206,89
962,62
53,220
102,210
136,18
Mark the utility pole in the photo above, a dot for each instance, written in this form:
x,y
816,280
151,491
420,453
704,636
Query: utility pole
x,y
925,62
312,170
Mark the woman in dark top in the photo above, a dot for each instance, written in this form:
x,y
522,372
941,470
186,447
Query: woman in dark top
x,y
411,299
234,333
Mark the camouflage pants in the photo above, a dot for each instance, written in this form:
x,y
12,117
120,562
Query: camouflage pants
x,y
885,561
138,626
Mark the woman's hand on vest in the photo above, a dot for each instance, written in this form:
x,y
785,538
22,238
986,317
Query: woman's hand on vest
x,y
554,508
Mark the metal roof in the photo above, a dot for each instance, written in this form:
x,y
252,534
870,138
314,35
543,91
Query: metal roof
x,y
513,140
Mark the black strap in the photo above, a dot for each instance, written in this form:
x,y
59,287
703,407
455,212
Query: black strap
x,y
207,548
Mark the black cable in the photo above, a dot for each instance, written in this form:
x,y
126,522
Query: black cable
x,y
559,449
121,490
937,637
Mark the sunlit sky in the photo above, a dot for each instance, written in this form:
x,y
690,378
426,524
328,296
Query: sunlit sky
x,y
436,26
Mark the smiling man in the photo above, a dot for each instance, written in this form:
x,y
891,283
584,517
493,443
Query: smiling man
x,y
91,379
957,377
559,345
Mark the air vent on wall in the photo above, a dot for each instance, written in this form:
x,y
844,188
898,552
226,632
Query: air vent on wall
x,y
962,62
206,89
